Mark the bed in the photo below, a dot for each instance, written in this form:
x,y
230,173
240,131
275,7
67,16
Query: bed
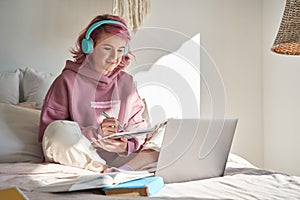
x,y
20,155
241,181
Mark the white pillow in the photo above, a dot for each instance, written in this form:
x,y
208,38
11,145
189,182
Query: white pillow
x,y
9,87
19,134
35,85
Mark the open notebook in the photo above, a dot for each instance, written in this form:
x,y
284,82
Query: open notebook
x,y
135,133
83,182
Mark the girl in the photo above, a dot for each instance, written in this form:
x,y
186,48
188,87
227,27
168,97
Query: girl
x,y
71,125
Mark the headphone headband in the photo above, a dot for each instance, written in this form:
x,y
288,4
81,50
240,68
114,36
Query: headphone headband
x,y
100,23
87,43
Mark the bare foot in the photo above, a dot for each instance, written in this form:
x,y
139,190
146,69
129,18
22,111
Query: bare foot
x,y
96,167
120,169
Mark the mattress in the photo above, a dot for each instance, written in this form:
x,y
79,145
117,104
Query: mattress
x,y
241,180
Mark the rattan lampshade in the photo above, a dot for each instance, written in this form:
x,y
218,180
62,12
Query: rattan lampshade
x,y
288,37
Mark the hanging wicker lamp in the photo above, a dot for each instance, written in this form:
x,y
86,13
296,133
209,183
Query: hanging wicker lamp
x,y
288,37
133,11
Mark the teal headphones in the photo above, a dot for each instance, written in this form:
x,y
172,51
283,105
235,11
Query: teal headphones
x,y
87,43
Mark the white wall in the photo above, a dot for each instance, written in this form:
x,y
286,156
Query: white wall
x,y
281,97
231,32
39,34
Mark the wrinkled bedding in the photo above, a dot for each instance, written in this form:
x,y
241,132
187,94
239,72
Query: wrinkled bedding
x,y
241,180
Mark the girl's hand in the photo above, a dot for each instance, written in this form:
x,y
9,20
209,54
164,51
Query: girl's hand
x,y
109,126
112,145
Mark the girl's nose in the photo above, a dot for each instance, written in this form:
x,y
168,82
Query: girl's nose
x,y
114,54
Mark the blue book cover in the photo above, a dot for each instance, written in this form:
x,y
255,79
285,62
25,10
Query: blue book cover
x,y
140,187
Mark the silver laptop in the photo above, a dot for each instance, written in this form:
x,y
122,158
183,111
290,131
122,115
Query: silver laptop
x,y
195,149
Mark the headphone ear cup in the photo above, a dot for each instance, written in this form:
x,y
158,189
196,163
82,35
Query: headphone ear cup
x,y
87,46
126,50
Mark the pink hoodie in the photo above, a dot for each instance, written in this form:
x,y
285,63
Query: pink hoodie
x,y
79,93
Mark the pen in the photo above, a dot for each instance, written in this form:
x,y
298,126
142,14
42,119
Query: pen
x,y
107,116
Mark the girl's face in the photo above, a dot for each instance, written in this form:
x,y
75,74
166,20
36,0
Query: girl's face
x,y
108,53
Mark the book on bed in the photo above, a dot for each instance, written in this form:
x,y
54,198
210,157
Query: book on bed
x,y
84,182
12,193
147,186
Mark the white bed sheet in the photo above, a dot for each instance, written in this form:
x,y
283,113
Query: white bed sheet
x,y
241,181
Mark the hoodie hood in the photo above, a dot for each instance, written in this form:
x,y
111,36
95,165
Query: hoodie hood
x,y
85,70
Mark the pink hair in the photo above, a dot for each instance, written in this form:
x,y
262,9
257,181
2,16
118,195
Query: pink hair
x,y
114,29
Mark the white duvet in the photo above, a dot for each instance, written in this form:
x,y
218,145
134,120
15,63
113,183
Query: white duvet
x,y
241,181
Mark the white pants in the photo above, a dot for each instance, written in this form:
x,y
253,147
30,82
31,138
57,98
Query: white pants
x,y
64,143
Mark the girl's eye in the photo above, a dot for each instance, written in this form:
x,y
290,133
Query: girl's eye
x,y
107,48
120,50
